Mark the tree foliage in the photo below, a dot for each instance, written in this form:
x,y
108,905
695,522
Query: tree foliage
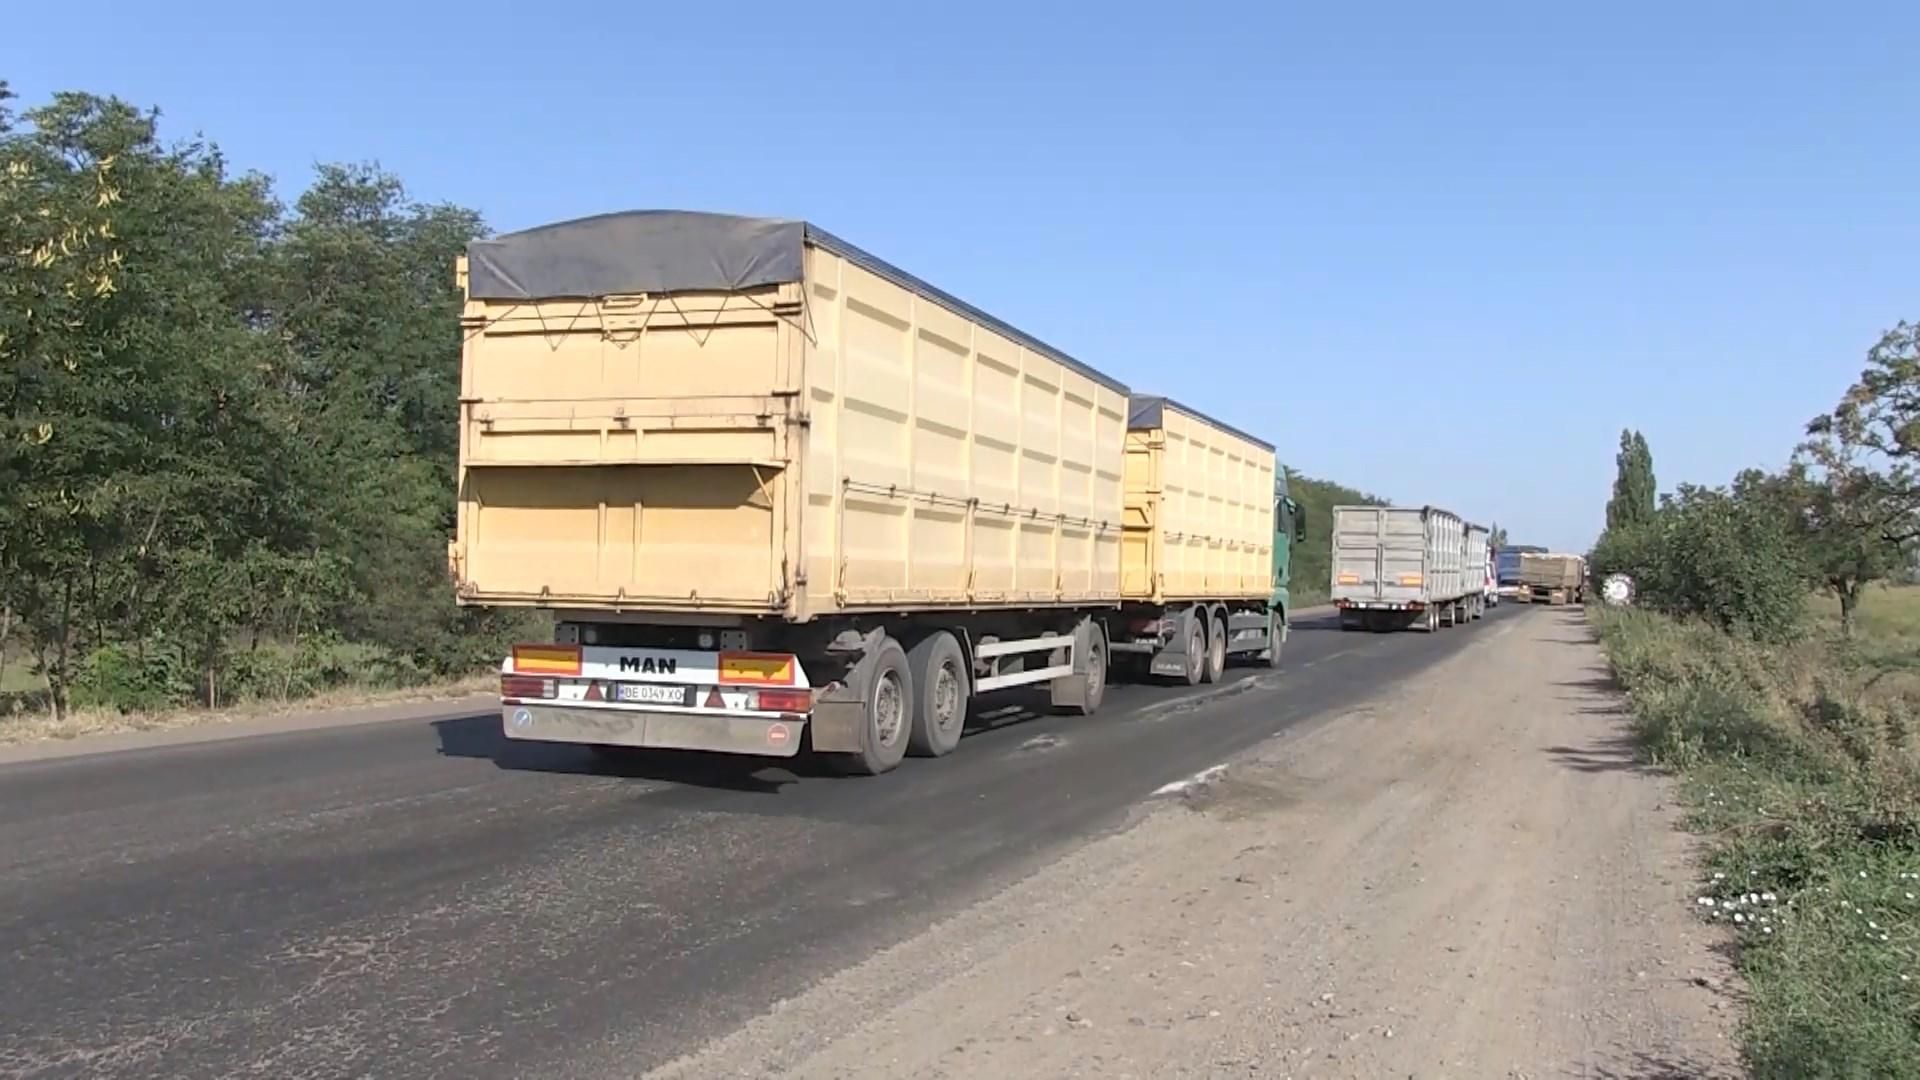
x,y
221,421
1843,514
1634,493
1853,488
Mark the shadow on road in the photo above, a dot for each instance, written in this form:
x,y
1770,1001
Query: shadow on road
x,y
1647,1065
481,737
1602,681
1617,753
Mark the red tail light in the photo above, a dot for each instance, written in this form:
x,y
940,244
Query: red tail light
x,y
784,701
522,687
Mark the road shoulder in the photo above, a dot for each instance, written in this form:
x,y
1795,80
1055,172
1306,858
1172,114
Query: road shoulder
x,y
1466,875
217,727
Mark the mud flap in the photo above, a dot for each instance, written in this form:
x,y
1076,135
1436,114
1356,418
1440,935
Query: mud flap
x,y
1171,660
837,724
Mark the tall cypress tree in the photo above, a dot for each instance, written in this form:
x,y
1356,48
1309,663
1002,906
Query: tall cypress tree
x,y
1634,496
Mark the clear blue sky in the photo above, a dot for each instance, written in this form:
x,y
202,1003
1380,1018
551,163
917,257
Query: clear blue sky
x,y
1359,233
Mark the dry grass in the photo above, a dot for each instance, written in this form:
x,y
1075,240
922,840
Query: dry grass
x,y
37,726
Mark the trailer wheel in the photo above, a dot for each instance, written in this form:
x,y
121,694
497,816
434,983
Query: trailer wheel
x,y
1096,667
938,672
1216,650
888,715
1196,651
1277,636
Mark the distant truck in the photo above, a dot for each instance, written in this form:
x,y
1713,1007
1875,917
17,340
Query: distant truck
x,y
1507,567
1491,591
777,492
1553,578
1399,567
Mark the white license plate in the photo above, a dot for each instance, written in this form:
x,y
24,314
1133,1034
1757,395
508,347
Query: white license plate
x,y
648,694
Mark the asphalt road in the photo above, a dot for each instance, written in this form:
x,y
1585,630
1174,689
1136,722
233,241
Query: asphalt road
x,y
422,899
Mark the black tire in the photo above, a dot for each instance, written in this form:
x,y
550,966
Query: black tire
x,y
1196,651
1096,676
888,715
1277,637
940,684
1216,651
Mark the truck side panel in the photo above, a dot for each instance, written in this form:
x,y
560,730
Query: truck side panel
x,y
946,464
1199,510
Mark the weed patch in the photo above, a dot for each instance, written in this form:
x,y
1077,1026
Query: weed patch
x,y
1798,767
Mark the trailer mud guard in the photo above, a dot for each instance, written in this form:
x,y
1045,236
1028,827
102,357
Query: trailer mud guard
x,y
839,721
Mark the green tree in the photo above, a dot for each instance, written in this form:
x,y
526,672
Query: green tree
x,y
1634,495
1848,520
367,302
1726,557
1856,478
137,432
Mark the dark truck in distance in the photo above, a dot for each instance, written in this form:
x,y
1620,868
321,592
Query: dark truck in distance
x,y
1507,567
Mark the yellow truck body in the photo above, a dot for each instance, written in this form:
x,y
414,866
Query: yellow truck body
x,y
851,439
779,493
1552,571
1199,521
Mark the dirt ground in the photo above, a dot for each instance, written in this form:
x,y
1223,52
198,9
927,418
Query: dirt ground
x,y
1466,877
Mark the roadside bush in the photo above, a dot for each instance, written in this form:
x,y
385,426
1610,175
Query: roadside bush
x,y
134,678
1713,556
1631,550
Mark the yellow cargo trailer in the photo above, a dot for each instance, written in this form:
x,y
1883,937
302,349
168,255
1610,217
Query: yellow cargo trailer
x,y
1197,548
776,491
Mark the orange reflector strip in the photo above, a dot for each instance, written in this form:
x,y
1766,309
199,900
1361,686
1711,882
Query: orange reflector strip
x,y
757,669
1349,579
546,659
1409,579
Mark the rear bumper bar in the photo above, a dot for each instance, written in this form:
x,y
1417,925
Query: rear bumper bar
x,y
1380,605
770,736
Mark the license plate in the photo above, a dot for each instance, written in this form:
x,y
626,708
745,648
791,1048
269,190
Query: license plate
x,y
649,694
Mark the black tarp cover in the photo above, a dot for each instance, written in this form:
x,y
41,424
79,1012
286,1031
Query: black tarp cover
x,y
640,251
667,251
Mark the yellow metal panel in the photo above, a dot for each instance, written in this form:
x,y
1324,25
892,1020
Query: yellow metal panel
x,y
948,466
837,444
1199,512
681,536
628,452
